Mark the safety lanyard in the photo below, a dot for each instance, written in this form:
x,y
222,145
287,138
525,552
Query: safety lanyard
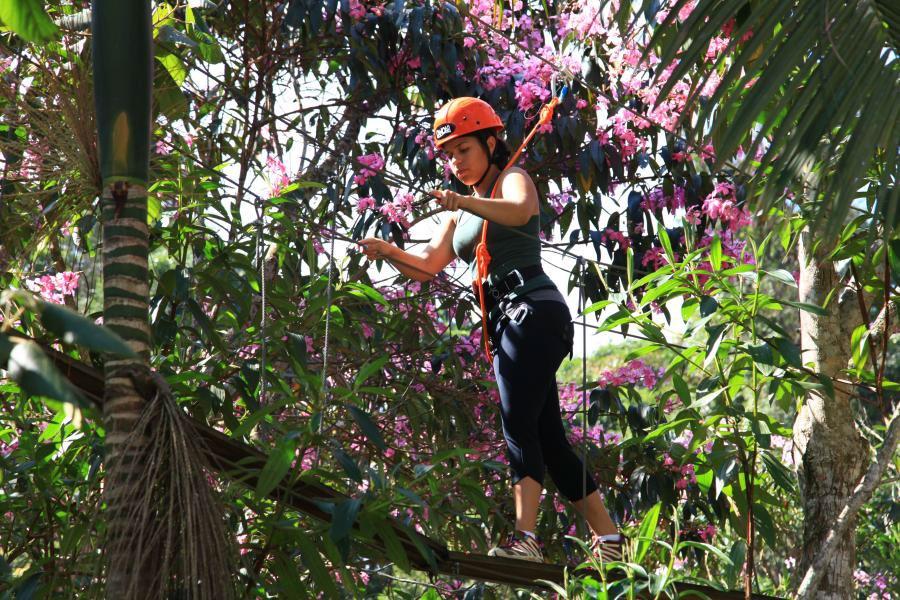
x,y
482,256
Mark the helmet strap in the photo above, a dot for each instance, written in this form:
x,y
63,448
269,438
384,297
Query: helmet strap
x,y
488,169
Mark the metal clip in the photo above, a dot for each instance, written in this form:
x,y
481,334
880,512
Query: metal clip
x,y
519,313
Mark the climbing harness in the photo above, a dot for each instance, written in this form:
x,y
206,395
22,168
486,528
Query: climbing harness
x,y
482,255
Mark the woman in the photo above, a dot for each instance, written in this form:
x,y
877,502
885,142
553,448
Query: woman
x,y
529,321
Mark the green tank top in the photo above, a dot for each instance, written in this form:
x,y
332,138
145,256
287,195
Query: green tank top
x,y
509,248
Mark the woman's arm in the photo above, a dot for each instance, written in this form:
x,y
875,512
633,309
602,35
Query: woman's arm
x,y
517,201
420,266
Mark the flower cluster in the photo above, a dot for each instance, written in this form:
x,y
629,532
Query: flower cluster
x,y
398,210
611,235
365,203
654,256
636,372
276,175
875,585
53,288
658,200
558,202
721,204
372,164
685,472
358,9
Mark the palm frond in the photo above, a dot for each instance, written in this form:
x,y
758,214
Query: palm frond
x,y
817,81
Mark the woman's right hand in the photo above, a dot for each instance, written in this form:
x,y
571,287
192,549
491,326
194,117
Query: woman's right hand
x,y
375,248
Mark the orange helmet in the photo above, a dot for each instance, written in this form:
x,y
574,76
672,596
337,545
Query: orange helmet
x,y
463,116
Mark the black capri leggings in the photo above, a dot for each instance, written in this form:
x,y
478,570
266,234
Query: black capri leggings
x,y
526,357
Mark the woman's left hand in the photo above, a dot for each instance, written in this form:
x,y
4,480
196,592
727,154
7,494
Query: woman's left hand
x,y
448,199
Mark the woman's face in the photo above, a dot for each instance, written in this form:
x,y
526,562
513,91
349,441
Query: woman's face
x,y
468,160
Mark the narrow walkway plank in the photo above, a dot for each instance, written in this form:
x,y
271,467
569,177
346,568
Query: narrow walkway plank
x,y
243,464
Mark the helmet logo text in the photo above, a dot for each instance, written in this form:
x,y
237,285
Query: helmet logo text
x,y
444,130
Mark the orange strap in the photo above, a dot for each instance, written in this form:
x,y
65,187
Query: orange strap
x,y
482,256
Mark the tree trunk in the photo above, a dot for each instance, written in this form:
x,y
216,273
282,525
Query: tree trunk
x,y
833,453
122,55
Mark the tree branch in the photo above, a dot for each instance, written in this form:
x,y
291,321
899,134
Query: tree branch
x,y
860,496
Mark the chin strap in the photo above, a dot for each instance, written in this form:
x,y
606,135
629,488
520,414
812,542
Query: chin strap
x,y
482,256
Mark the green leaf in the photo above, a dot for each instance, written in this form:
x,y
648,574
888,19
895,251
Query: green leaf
x,y
5,347
781,475
597,306
708,548
38,376
783,276
258,415
666,244
810,308
789,351
725,473
708,305
174,66
681,387
316,566
368,426
286,574
715,253
73,328
370,369
646,532
343,518
392,546
28,19
277,465
662,429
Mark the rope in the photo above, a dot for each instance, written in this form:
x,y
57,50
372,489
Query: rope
x,y
584,450
482,255
261,268
326,389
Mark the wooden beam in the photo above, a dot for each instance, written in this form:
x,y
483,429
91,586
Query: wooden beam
x,y
243,464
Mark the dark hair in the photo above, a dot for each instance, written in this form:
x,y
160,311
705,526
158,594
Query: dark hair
x,y
501,152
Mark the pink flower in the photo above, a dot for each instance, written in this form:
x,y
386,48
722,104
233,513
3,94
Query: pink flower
x,y
636,372
365,203
357,10
368,332
529,93
657,200
654,256
610,235
277,175
559,201
163,146
708,533
372,163
53,288
582,103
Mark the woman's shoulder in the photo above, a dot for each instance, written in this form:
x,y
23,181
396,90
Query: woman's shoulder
x,y
515,169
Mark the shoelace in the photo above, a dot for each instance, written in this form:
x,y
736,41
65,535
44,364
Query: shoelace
x,y
514,539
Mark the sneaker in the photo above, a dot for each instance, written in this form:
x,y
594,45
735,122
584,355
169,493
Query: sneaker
x,y
520,545
608,548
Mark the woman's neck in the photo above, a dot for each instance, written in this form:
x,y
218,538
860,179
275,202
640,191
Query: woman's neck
x,y
487,182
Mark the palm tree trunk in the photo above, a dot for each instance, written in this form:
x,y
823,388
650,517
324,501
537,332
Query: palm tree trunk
x,y
834,453
122,54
